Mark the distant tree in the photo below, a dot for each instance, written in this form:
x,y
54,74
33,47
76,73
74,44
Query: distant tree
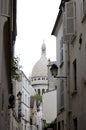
x,y
38,97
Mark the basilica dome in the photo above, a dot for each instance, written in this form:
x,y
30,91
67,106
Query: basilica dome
x,y
40,68
39,76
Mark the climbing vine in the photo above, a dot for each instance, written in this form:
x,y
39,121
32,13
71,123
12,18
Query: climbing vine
x,y
14,68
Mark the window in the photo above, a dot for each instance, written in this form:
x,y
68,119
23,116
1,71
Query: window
x,y
75,74
38,91
25,114
25,98
43,78
59,128
55,87
22,96
70,13
62,93
2,99
84,6
75,124
61,51
4,7
28,101
62,125
43,90
22,126
83,10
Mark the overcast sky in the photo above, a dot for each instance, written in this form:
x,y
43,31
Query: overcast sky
x,y
35,21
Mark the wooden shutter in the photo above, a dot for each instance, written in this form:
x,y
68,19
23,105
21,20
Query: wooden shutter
x,y
84,6
62,93
4,7
83,10
64,28
64,24
61,50
70,18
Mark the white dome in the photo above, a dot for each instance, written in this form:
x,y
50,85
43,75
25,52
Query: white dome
x,y
40,68
39,77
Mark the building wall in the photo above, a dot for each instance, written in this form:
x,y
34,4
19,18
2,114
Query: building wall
x,y
73,115
62,100
22,85
78,52
50,106
6,44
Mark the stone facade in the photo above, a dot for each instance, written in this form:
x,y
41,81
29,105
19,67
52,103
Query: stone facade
x,y
70,34
22,106
7,40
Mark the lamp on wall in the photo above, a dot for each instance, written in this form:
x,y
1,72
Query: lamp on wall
x,y
54,71
19,95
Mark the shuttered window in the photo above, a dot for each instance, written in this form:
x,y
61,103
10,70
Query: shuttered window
x,y
62,93
83,10
4,7
70,13
61,51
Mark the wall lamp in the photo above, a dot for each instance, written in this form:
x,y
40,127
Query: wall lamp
x,y
19,95
54,71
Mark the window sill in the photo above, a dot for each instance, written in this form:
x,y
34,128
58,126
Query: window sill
x,y
73,37
61,108
84,17
61,64
70,111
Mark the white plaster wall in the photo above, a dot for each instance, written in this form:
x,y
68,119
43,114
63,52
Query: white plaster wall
x,y
50,106
23,86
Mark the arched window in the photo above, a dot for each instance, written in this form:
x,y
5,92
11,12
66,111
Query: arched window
x,y
38,91
43,90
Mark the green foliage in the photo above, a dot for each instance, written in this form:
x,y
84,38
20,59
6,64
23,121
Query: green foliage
x,y
14,68
38,97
